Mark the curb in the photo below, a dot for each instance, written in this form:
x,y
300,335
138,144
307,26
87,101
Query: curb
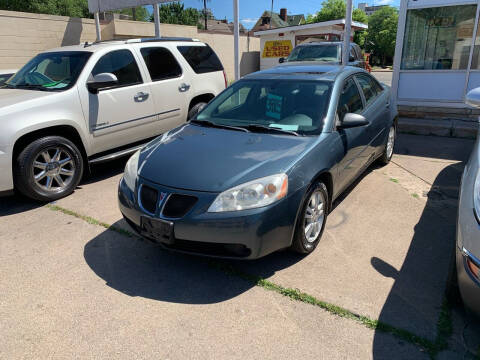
x,y
457,128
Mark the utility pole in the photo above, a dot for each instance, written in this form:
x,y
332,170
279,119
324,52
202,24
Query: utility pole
x,y
271,15
205,13
346,33
236,35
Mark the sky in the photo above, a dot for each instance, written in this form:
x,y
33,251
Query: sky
x,y
251,10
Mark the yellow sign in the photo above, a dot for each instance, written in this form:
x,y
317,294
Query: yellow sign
x,y
277,49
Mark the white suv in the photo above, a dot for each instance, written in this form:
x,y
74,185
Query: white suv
x,y
77,105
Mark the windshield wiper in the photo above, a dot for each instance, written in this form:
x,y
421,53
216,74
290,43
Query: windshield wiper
x,y
255,127
220,126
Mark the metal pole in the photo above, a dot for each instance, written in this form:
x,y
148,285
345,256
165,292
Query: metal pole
x,y
97,27
156,18
236,35
271,15
347,32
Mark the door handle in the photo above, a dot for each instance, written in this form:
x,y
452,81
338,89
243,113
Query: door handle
x,y
141,96
183,87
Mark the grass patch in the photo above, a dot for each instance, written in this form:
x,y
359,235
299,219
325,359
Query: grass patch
x,y
444,326
297,295
90,220
394,180
416,196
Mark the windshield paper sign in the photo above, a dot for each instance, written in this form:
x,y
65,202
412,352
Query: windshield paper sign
x,y
277,49
274,106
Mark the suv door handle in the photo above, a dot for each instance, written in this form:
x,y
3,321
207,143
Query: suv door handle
x,y
183,87
141,96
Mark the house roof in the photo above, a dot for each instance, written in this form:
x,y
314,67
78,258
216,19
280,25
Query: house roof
x,y
276,21
355,26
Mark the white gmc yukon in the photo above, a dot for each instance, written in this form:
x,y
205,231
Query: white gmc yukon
x,y
77,105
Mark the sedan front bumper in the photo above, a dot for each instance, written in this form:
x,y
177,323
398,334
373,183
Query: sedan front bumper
x,y
247,234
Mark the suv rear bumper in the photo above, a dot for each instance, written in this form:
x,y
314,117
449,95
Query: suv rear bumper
x,y
6,176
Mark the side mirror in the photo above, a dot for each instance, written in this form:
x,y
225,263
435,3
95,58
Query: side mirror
x,y
473,98
351,58
101,81
351,120
281,60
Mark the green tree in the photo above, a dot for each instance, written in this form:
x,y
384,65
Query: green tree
x,y
73,8
333,10
175,13
382,33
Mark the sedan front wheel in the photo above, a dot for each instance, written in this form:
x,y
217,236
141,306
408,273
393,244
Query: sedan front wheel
x,y
312,219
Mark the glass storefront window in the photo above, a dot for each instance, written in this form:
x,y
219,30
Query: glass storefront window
x,y
438,38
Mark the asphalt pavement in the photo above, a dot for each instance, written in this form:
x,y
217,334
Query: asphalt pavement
x,y
77,283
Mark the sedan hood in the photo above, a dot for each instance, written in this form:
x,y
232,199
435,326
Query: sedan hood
x,y
209,159
15,97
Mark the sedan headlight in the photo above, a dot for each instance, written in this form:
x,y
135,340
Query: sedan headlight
x,y
253,194
476,196
130,174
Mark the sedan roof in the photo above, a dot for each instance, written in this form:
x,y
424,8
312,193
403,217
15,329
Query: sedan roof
x,y
304,71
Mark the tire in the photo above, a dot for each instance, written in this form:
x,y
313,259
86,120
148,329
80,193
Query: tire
x,y
388,152
302,243
195,110
40,179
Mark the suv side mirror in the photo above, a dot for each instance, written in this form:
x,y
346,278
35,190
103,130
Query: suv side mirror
x,y
101,81
473,98
351,58
281,60
351,120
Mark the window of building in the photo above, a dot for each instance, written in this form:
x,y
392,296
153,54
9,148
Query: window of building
x,y
122,64
438,38
161,64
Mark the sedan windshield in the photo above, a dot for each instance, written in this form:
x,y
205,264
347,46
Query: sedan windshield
x,y
50,71
328,53
278,106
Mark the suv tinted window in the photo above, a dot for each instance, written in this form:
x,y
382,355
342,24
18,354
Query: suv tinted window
x,y
122,64
371,89
202,59
350,100
161,63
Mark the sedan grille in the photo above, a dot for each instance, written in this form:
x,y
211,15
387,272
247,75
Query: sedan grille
x,y
148,198
178,205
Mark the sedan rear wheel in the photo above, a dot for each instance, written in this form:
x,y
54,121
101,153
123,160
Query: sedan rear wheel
x,y
389,146
311,224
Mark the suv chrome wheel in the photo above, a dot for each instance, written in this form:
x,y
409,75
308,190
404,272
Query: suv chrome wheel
x,y
53,169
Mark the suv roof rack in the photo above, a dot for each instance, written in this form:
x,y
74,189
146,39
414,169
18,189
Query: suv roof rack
x,y
140,40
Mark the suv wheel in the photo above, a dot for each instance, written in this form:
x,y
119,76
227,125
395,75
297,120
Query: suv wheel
x,y
48,168
195,110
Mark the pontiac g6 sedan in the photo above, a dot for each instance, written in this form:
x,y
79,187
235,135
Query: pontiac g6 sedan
x,y
258,168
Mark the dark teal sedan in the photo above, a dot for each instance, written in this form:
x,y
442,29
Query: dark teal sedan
x,y
258,168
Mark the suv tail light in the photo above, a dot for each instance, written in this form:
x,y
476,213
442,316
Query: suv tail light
x,y
225,77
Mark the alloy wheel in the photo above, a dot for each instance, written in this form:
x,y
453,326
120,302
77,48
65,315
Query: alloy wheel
x,y
53,169
390,142
314,216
